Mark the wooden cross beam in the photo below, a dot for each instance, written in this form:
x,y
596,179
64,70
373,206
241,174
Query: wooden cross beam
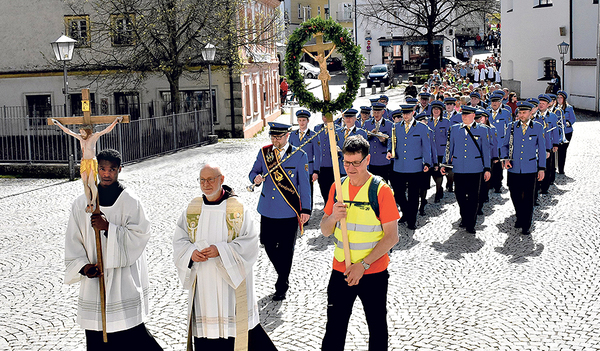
x,y
87,114
320,46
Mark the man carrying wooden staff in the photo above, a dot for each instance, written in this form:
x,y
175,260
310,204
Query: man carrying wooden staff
x,y
370,210
125,231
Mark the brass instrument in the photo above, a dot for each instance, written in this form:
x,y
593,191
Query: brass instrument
x,y
561,125
375,132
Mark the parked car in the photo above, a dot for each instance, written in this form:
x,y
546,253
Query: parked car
x,y
309,70
445,61
378,74
334,64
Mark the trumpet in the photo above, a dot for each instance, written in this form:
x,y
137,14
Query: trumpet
x,y
561,125
377,134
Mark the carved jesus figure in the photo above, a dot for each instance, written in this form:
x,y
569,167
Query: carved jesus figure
x,y
324,76
88,167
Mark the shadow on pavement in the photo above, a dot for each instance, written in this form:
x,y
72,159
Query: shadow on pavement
x,y
458,244
517,246
270,308
406,240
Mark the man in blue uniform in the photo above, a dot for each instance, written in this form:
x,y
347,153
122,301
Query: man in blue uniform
x,y
387,114
284,201
423,118
348,129
441,129
450,111
423,105
550,123
299,137
469,154
482,118
378,131
409,149
499,118
524,154
326,169
365,116
476,100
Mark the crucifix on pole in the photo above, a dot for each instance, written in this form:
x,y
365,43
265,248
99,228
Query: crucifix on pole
x,y
324,77
88,169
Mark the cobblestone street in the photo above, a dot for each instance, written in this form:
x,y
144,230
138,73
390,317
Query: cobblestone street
x,y
449,290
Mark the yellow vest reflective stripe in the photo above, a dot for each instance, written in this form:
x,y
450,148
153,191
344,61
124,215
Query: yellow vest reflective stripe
x,y
364,228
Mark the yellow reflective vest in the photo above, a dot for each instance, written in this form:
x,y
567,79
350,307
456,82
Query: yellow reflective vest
x,y
364,228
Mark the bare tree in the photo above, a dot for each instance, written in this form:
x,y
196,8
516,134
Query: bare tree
x,y
133,38
424,18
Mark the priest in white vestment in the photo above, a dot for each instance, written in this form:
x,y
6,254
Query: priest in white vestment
x,y
215,246
124,233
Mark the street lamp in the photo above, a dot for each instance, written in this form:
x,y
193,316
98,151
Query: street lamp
x,y
563,48
208,54
63,50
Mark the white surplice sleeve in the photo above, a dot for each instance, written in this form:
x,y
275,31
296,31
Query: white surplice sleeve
x,y
126,242
75,252
238,256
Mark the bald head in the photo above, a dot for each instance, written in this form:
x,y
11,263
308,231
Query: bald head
x,y
210,170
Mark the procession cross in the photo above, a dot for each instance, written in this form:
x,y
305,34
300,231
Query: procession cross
x,y
324,77
88,169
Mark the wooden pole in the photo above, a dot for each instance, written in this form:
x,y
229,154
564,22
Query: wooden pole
x,y
100,265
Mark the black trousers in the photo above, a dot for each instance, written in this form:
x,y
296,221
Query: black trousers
x,y
484,189
425,183
372,291
550,173
467,187
522,194
258,340
401,182
562,153
122,340
438,178
497,176
325,180
382,171
278,235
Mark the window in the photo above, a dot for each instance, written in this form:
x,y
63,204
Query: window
x,y
319,11
122,29
542,3
76,104
78,28
128,104
547,68
190,100
299,11
326,8
39,107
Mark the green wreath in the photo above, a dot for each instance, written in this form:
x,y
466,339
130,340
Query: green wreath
x,y
334,32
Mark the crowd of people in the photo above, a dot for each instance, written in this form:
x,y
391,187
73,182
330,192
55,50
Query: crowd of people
x,y
466,134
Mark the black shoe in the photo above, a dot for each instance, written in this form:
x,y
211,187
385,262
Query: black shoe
x,y
278,297
479,212
450,190
436,200
498,191
461,224
471,230
561,172
402,219
526,231
412,226
422,211
544,192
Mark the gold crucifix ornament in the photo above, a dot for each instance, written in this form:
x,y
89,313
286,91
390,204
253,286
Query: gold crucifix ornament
x,y
320,48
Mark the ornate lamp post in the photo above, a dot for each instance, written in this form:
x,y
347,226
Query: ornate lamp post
x,y
563,49
63,50
208,54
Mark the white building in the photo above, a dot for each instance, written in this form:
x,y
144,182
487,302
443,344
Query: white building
x,y
531,32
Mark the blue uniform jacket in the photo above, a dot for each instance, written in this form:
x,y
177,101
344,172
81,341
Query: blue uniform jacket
x,y
420,109
529,150
413,150
340,141
434,153
494,146
456,119
312,149
378,150
503,118
464,154
549,122
271,203
323,143
361,124
440,134
569,118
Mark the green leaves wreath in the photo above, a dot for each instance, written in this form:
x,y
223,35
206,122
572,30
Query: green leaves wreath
x,y
340,36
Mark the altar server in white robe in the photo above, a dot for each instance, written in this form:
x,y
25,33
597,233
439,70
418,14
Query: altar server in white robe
x,y
125,231
215,246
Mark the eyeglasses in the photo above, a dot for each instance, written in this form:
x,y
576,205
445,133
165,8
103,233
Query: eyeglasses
x,y
277,137
355,163
210,181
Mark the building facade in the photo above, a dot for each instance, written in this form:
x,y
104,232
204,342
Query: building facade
x,y
531,32
31,81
